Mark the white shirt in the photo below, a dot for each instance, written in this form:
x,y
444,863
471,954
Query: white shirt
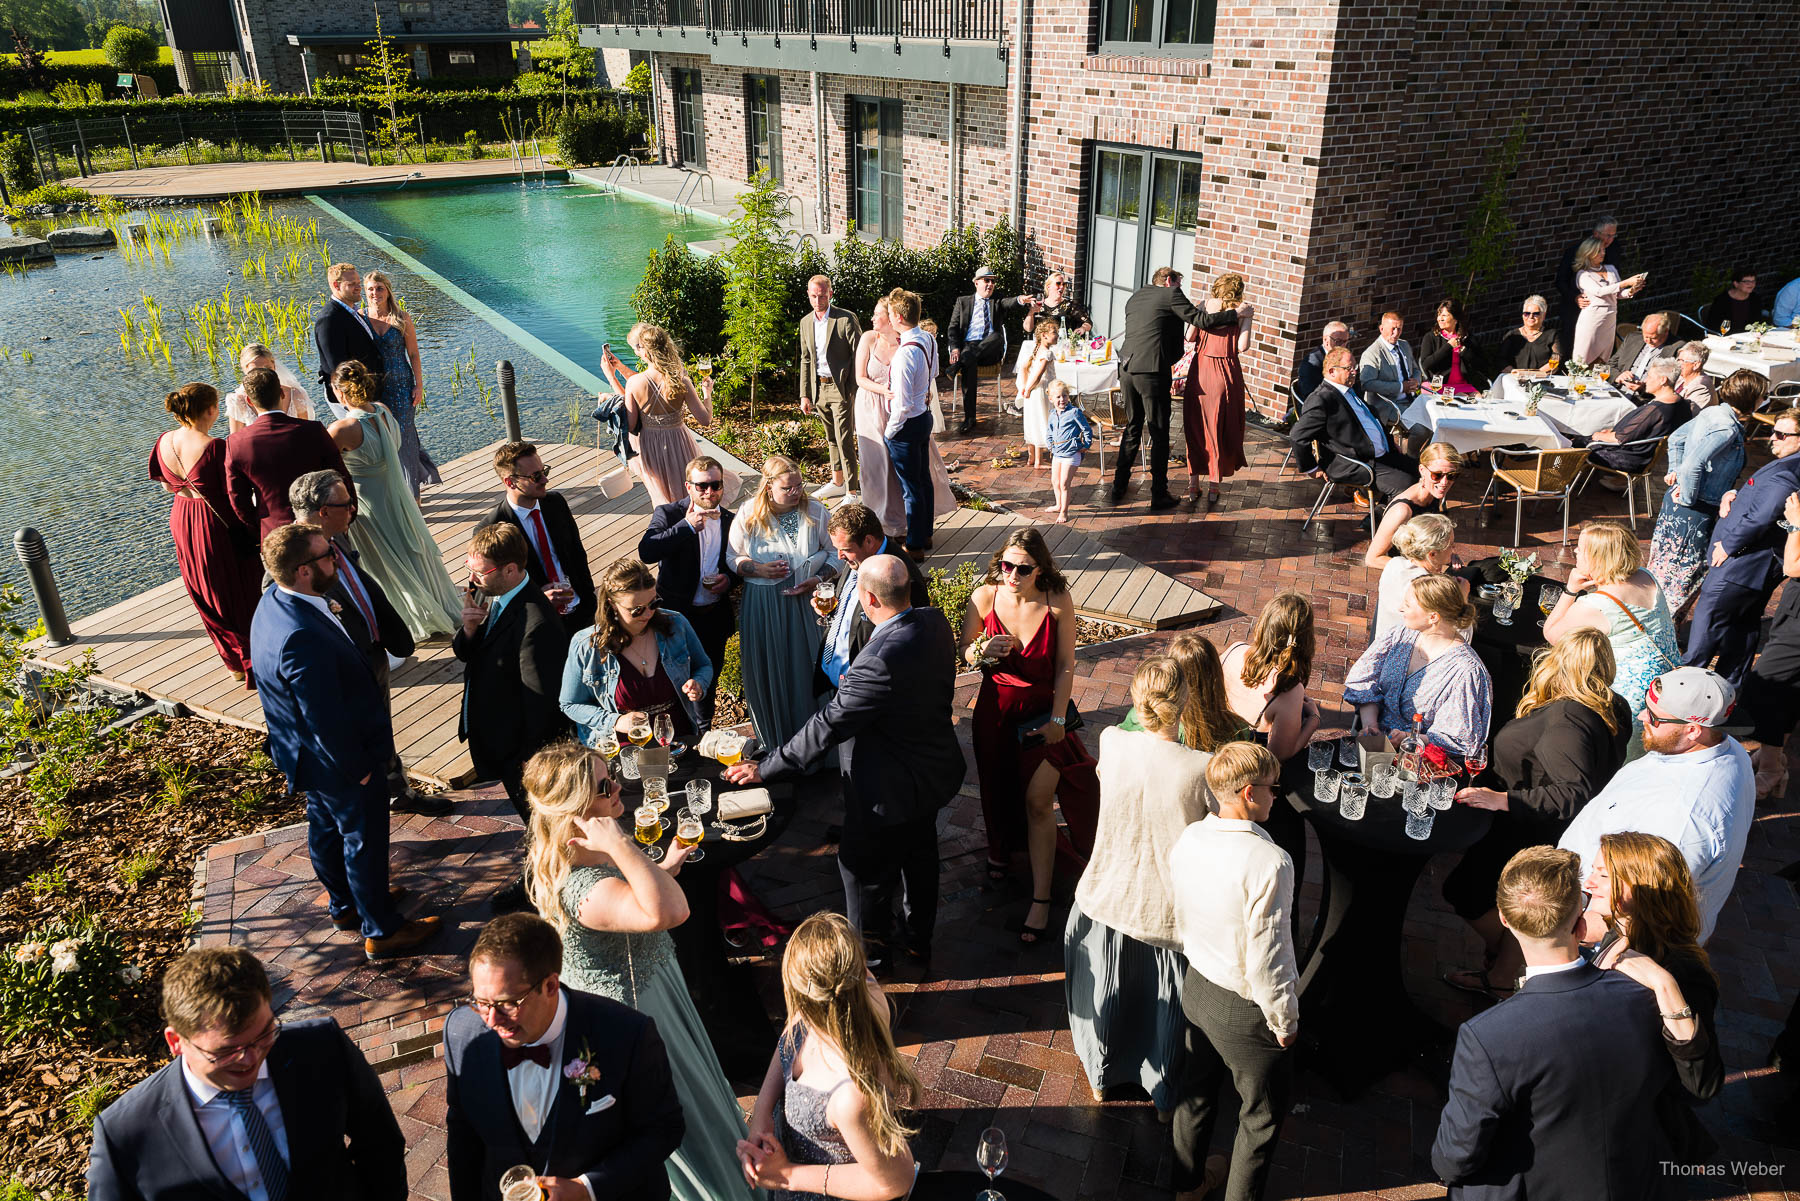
x,y
821,337
554,567
1703,802
224,1130
710,545
322,605
534,1088
1553,968
1371,427
1233,892
913,372
356,313
1641,364
1402,361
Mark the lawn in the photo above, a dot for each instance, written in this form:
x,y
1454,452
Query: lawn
x,y
84,58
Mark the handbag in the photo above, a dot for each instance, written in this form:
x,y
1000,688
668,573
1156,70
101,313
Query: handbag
x,y
1031,733
744,804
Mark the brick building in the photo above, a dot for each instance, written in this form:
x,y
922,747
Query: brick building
x,y
1331,152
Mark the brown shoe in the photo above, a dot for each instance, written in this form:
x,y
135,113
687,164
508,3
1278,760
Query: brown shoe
x,y
404,941
353,921
1360,500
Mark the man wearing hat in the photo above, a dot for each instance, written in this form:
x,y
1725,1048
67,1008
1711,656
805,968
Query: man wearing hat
x,y
978,336
1694,787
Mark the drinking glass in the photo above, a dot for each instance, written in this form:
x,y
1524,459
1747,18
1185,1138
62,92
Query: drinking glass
x,y
647,828
1418,825
1325,786
1548,595
1353,796
1320,754
699,803
990,1157
689,830
1349,755
628,762
1385,780
1409,786
639,731
1505,603
609,745
1475,762
656,796
1443,793
520,1184
825,601
665,729
703,367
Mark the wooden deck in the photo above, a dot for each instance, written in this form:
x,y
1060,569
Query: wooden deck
x,y
214,181
154,643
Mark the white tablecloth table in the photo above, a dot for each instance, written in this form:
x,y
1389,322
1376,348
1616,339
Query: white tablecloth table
x,y
1486,423
1739,351
1088,379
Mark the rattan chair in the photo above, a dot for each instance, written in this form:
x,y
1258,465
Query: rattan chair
x,y
1631,478
1535,475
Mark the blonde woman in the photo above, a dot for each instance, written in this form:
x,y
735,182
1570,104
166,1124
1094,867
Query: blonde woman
x,y
1439,465
1266,677
827,1120
1422,666
1598,280
779,546
1212,404
390,532
614,908
402,378
1610,591
1426,547
657,400
294,399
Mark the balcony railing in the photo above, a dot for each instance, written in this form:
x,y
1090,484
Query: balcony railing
x,y
957,20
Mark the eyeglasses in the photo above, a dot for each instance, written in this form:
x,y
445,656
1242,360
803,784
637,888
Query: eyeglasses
x,y
478,573
1440,476
318,558
227,1054
505,1008
1651,719
1019,569
707,485
537,477
1778,435
338,504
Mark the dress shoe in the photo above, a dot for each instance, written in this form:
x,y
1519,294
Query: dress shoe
x,y
1116,497
828,492
404,941
919,553
353,920
419,802
1165,500
511,899
965,426
1360,499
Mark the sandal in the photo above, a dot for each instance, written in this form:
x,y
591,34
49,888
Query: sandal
x,y
997,872
1029,934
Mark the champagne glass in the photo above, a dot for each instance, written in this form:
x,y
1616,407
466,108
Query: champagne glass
x,y
520,1184
699,804
647,829
664,729
990,1157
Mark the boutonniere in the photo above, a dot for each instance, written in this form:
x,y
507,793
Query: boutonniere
x,y
581,1072
336,609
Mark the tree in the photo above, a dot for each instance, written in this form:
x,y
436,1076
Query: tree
x,y
1490,229
567,60
43,24
756,277
388,83
520,11
638,79
129,49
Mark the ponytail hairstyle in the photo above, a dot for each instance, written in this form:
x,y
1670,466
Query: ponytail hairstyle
x,y
1282,641
559,781
1207,722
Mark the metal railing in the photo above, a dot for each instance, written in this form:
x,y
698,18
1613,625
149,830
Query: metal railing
x,y
95,145
699,186
962,20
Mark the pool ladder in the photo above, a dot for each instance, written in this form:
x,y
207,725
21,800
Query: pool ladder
x,y
692,186
625,165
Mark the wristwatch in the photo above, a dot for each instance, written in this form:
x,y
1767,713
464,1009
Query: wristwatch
x,y
1058,720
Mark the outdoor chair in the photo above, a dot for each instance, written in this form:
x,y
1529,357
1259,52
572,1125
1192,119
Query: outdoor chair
x,y
1535,475
1631,478
1781,397
1299,403
1360,475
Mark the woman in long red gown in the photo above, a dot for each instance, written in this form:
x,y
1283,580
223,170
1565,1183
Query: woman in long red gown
x,y
214,550
1022,618
1212,403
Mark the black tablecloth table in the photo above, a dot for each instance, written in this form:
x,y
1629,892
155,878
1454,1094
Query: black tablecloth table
x,y
1505,650
966,1186
1355,1016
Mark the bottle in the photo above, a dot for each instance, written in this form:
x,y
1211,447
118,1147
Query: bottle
x,y
1412,747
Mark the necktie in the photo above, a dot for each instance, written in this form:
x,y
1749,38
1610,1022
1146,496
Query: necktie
x,y
269,1163
846,599
541,534
512,1057
354,587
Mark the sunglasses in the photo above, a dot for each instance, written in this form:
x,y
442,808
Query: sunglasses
x,y
1651,719
637,611
1440,476
536,477
1777,435
707,485
1532,313
1019,569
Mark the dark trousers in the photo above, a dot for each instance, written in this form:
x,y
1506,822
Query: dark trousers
x,y
713,625
1771,694
1226,1033
347,838
910,453
1146,398
1395,472
975,356
397,784
873,859
1727,622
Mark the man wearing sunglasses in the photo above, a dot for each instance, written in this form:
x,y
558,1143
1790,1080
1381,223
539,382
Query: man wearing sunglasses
x,y
556,560
251,1106
687,541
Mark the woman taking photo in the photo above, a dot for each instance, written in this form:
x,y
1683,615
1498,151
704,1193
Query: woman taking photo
x,y
1599,281
1426,548
638,662
1021,619
1706,455
657,400
1266,677
1610,591
1422,666
402,378
614,908
1565,741
1446,351
1212,403
1530,349
811,1137
1439,465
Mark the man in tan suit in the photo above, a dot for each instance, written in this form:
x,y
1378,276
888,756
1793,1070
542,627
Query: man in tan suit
x,y
828,338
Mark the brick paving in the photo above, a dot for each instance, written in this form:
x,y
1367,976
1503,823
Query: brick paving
x,y
986,1024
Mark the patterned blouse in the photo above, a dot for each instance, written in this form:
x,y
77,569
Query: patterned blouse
x,y
612,964
1453,691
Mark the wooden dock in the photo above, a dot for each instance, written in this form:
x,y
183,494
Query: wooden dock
x,y
153,643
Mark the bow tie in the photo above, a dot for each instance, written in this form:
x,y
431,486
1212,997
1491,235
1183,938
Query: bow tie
x,y
511,1057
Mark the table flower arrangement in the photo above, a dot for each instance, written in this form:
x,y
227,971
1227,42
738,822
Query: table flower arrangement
x,y
1518,568
1576,369
1760,327
1534,395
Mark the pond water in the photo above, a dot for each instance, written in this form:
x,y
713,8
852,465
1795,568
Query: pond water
x,y
81,416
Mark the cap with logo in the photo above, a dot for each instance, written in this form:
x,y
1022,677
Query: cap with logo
x,y
1694,694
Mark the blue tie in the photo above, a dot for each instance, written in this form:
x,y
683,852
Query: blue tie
x,y
978,325
262,1143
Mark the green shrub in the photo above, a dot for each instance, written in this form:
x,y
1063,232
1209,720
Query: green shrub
x,y
55,193
638,79
800,441
684,293
950,591
129,48
597,134
534,83
84,67
472,144
17,163
64,977
730,676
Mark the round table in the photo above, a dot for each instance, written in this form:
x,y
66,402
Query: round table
x,y
1505,650
1355,1015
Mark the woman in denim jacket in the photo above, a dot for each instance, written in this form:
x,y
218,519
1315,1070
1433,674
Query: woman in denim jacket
x,y
636,663
1705,457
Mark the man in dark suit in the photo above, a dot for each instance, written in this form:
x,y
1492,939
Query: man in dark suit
x,y
977,336
330,734
1336,416
1156,319
263,459
897,755
557,560
249,1107
855,534
1606,229
603,1131
1311,372
1638,349
828,340
1746,560
342,333
1552,1093
687,540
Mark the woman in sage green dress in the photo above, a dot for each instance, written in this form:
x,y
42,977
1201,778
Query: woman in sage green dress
x,y
389,531
588,878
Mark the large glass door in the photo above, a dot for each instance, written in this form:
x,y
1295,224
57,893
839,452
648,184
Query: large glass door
x,y
762,123
877,162
1145,209
690,128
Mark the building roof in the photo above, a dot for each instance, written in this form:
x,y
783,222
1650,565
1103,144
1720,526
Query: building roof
x,y
462,37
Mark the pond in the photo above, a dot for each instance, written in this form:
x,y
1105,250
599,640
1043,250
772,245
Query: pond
x,y
538,274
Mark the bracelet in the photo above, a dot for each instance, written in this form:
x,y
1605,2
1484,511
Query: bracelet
x,y
825,1188
1686,1012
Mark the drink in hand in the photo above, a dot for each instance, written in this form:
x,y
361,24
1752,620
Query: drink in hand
x,y
647,830
639,732
520,1184
731,750
825,601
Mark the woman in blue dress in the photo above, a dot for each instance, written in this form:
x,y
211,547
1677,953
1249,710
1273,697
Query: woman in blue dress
x,y
402,379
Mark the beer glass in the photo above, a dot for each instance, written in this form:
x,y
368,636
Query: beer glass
x,y
520,1184
825,600
648,829
689,830
1353,796
656,796
608,746
731,749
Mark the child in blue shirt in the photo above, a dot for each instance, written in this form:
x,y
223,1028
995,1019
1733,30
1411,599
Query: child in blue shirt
x,y
1071,433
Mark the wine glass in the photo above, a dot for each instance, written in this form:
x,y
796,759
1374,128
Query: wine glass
x,y
1548,595
647,828
703,367
990,1156
665,729
1476,761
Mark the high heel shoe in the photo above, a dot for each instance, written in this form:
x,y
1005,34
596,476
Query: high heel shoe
x,y
1029,934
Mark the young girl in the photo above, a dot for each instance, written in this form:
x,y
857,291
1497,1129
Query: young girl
x,y
1069,434
1037,368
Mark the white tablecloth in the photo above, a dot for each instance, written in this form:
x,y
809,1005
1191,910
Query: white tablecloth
x,y
1488,423
1089,379
1739,351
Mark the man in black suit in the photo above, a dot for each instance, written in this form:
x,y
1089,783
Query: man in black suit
x,y
1606,228
342,333
557,560
1552,1093
897,755
855,534
687,540
263,459
1156,318
601,1131
249,1107
1337,417
978,336
1311,372
1637,350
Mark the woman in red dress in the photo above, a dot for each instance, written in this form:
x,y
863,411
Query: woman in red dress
x,y
1021,621
215,551
1212,403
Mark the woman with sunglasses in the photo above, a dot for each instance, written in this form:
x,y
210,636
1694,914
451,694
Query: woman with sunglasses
x,y
638,662
1020,622
1530,349
1706,455
614,908
1439,465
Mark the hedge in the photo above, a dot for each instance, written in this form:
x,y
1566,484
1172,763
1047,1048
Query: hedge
x,y
13,81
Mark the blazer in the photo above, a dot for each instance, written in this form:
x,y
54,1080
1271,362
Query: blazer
x,y
327,716
1748,533
672,544
565,540
1379,375
1553,1094
861,628
512,675
890,722
997,339
1311,372
1156,321
148,1145
1327,416
620,1148
1435,357
840,354
1553,760
1632,345
340,337
390,635
265,457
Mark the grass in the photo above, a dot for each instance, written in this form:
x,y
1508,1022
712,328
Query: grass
x,y
135,869
50,880
179,784
86,1102
86,58
53,821
246,802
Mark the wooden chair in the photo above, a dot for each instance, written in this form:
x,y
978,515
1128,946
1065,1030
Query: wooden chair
x,y
1631,478
1535,475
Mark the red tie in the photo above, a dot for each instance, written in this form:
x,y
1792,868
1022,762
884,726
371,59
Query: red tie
x,y
356,593
543,546
512,1057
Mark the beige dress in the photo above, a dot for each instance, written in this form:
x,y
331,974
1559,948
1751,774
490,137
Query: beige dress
x,y
665,444
880,482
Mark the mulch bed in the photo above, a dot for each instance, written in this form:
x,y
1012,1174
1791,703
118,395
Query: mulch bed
x,y
123,807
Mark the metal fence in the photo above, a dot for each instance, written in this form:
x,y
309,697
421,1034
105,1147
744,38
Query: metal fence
x,y
92,146
964,20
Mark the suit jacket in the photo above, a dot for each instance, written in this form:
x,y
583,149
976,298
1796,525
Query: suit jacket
x,y
512,677
1553,1093
327,717
1156,321
268,455
390,635
861,628
1378,375
1311,372
890,722
1632,345
1327,417
565,540
1748,533
672,544
148,1145
840,354
996,340
619,1149
340,337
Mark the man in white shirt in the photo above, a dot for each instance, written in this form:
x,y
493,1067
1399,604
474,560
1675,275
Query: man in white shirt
x,y
1233,891
1389,372
908,432
1695,787
828,339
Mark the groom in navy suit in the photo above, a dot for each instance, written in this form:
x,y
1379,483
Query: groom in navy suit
x,y
331,736
342,333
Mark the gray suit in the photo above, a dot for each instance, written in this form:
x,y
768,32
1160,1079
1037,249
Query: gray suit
x,y
835,397
1381,378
